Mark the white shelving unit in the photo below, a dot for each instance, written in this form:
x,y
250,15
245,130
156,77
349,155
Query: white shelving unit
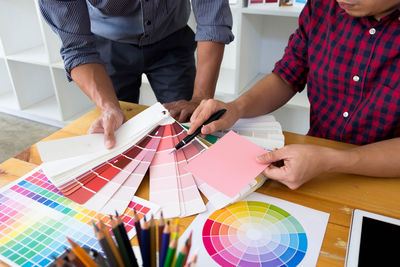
x,y
33,83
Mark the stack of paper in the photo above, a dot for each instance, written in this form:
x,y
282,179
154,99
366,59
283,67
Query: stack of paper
x,y
264,131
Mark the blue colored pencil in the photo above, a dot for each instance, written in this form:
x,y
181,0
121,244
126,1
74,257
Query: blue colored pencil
x,y
145,236
164,245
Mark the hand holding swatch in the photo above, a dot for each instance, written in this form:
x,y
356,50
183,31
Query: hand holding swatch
x,y
228,165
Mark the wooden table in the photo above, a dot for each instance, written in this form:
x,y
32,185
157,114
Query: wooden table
x,y
337,194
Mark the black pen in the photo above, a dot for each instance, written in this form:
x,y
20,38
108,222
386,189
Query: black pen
x,y
190,137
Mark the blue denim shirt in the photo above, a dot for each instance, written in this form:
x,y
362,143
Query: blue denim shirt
x,y
139,22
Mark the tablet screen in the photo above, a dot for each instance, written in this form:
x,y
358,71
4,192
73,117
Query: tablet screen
x,y
380,243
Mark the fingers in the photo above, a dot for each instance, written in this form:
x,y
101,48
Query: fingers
x,y
109,136
202,113
184,115
181,110
96,127
271,157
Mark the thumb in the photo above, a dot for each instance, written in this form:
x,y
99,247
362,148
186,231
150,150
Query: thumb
x,y
109,136
270,157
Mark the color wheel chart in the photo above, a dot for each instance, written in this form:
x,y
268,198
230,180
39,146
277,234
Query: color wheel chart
x,y
258,231
253,233
35,218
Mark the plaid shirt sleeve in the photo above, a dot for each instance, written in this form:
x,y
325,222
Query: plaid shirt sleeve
x,y
293,67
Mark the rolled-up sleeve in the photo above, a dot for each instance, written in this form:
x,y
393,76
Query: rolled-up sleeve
x,y
70,21
294,67
214,20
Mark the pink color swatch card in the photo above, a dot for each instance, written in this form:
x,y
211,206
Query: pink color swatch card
x,y
229,165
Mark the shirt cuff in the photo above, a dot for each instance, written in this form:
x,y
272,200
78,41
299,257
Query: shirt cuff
x,y
219,34
289,73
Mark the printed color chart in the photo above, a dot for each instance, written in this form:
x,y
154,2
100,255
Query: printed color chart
x,y
253,233
35,218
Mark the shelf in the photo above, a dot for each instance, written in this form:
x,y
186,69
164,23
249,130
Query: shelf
x,y
58,65
19,26
34,55
8,101
1,50
272,10
32,82
46,109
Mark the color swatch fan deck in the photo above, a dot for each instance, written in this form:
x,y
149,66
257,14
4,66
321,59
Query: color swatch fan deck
x,y
105,180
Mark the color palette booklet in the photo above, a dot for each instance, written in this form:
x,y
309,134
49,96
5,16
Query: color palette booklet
x,y
257,231
105,180
35,219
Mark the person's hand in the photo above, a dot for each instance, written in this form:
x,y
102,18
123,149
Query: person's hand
x,y
181,110
301,163
206,109
109,121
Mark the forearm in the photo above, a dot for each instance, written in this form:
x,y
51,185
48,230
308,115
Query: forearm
x,y
380,159
209,58
95,82
269,94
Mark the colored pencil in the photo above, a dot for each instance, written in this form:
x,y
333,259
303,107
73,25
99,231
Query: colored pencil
x,y
137,227
189,245
111,243
73,258
98,258
61,262
120,243
164,244
125,239
112,261
160,229
180,261
171,252
193,260
81,254
145,243
175,233
153,243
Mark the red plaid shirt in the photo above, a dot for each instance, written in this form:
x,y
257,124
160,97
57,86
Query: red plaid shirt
x,y
352,70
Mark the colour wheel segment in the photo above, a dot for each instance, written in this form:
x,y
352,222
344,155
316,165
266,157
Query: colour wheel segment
x,y
253,233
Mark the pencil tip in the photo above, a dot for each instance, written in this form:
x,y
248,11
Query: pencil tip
x,y
95,226
116,214
144,218
111,218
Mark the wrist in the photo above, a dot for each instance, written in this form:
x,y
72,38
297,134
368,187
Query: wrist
x,y
340,160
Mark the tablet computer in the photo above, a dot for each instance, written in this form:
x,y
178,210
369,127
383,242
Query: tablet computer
x,y
374,240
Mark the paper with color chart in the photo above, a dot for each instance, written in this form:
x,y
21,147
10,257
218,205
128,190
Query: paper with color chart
x,y
229,165
257,231
35,219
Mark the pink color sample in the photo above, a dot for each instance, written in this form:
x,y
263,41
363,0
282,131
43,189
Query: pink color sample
x,y
228,165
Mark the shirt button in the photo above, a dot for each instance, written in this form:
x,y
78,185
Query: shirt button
x,y
345,114
356,78
148,22
372,31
